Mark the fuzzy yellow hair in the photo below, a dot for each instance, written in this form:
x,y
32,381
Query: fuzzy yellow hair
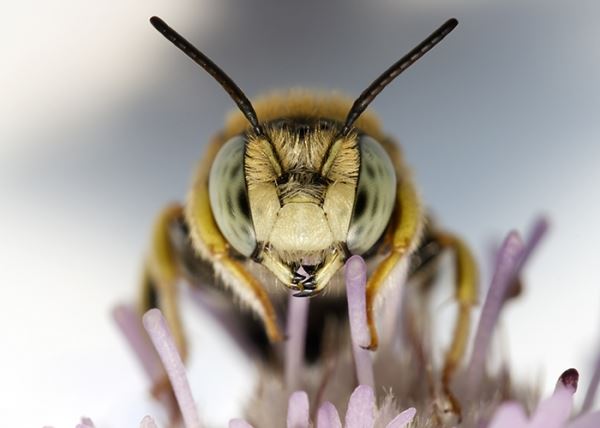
x,y
303,103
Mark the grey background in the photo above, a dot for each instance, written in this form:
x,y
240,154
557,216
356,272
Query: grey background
x,y
105,121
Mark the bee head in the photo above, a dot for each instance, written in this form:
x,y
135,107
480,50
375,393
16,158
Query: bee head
x,y
302,191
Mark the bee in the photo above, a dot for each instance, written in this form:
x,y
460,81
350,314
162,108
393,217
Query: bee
x,y
287,191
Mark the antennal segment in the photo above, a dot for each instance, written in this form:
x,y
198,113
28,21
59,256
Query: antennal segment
x,y
213,69
391,73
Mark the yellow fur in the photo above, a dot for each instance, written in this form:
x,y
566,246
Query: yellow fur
x,y
302,103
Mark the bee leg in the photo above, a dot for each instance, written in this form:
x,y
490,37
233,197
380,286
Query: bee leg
x,y
252,292
466,281
211,245
405,230
161,274
435,243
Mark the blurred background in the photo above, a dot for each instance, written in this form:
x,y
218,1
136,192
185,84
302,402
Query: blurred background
x,y
103,121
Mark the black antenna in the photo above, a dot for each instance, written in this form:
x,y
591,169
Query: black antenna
x,y
213,69
391,73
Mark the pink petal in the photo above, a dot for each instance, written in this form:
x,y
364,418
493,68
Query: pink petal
x,y
361,408
509,415
164,343
296,339
589,420
297,416
328,416
148,422
403,418
239,423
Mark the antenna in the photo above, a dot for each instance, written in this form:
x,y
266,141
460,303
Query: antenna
x,y
213,69
391,73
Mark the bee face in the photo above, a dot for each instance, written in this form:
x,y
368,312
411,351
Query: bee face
x,y
301,188
302,196
296,183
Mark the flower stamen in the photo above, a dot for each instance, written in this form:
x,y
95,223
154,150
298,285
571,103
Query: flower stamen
x,y
296,339
356,280
163,341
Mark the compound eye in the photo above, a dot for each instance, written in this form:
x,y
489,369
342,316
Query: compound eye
x,y
375,196
229,196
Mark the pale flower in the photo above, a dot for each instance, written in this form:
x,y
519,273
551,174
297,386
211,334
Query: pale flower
x,y
397,386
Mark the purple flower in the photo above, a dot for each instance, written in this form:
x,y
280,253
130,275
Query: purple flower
x,y
361,413
372,388
553,412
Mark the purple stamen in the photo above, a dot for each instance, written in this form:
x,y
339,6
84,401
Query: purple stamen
x,y
538,231
554,411
364,365
508,260
511,258
298,410
296,339
356,280
164,344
